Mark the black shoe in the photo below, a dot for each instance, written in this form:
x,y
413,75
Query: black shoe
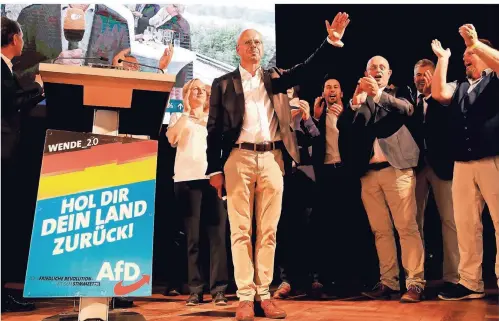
x,y
460,292
171,292
13,303
194,299
220,299
380,292
122,303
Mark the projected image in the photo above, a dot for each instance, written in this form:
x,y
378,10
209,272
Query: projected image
x,y
190,41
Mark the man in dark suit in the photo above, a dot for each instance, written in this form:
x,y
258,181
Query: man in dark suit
x,y
249,140
428,126
338,217
473,111
386,153
293,251
16,101
106,34
143,13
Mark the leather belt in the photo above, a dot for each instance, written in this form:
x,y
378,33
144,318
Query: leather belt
x,y
262,147
335,165
379,166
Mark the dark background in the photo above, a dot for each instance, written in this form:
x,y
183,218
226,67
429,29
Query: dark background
x,y
400,33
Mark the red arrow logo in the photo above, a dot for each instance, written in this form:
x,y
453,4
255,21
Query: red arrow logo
x,y
120,289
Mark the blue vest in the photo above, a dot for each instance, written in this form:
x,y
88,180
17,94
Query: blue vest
x,y
474,119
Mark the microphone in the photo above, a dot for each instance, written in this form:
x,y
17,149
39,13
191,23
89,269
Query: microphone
x,y
139,64
79,58
74,27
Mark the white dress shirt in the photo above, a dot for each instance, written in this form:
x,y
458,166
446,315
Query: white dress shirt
x,y
8,62
160,18
89,21
332,134
473,83
260,121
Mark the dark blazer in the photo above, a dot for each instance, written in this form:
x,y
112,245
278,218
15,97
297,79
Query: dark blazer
x,y
41,25
371,121
227,106
15,102
319,142
434,128
147,13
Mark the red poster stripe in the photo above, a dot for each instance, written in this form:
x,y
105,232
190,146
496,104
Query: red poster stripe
x,y
98,155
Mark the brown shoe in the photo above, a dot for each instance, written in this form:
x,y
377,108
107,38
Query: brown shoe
x,y
380,292
414,294
271,310
245,311
282,291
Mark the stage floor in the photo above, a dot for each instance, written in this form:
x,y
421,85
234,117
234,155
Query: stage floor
x,y
159,307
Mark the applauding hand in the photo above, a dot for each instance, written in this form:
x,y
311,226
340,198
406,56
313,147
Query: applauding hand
x,y
469,34
439,51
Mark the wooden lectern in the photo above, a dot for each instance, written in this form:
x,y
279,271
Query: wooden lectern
x,y
104,101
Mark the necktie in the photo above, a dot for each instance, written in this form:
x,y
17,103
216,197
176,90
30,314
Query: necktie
x,y
420,107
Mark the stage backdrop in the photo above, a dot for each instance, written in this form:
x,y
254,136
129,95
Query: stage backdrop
x,y
94,221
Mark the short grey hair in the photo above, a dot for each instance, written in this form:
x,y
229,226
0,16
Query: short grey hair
x,y
424,63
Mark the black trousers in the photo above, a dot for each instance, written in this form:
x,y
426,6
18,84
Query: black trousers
x,y
343,248
293,239
201,208
16,223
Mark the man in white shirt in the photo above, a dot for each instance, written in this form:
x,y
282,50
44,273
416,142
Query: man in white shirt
x,y
249,141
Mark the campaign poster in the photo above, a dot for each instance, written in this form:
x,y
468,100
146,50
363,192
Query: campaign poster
x,y
93,227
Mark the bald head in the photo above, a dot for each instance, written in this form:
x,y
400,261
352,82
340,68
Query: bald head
x,y
379,68
250,47
378,60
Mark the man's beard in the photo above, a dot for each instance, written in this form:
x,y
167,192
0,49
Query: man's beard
x,y
469,72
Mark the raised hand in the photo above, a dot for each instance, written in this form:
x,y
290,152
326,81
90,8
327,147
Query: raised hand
x,y
187,106
305,109
428,76
318,107
166,58
439,51
369,85
359,96
469,34
337,28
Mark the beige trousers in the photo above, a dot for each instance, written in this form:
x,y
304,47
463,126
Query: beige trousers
x,y
442,190
475,183
254,178
393,190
